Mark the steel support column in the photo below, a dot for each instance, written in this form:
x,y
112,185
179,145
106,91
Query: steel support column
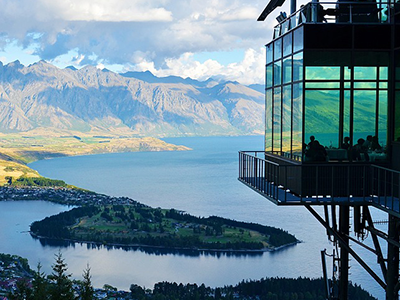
x,y
344,222
392,260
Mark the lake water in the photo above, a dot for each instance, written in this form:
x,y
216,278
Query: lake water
x,y
202,182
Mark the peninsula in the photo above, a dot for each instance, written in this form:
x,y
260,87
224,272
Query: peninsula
x,y
19,149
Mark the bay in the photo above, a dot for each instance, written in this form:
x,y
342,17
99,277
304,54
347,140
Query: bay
x,y
202,182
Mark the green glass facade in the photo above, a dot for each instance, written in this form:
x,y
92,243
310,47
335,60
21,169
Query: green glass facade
x,y
330,94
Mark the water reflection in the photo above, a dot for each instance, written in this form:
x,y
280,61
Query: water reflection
x,y
153,250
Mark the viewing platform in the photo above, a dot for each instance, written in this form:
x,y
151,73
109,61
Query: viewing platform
x,y
337,12
287,183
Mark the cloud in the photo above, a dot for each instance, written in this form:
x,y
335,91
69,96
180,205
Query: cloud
x,y
130,32
247,71
108,11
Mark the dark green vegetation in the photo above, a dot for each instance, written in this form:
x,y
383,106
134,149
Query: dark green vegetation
x,y
264,289
59,286
141,225
35,182
18,264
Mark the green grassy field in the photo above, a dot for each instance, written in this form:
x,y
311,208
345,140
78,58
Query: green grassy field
x,y
122,228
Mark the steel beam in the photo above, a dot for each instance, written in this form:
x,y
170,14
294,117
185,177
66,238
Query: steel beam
x,y
392,260
338,236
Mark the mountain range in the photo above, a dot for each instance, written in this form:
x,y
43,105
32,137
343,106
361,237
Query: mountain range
x,y
43,96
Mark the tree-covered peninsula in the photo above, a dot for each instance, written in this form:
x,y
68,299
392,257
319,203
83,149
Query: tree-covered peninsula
x,y
139,225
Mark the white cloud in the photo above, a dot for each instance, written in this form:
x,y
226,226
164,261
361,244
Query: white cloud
x,y
130,32
248,71
106,10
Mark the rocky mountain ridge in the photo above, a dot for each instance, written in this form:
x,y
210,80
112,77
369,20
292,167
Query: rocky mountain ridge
x,y
140,104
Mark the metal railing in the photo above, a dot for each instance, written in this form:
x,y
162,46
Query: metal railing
x,y
338,12
320,183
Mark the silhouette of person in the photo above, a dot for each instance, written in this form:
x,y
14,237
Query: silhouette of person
x,y
375,144
346,144
359,149
368,142
318,152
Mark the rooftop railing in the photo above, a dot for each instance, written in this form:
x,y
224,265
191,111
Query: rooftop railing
x,y
338,12
321,183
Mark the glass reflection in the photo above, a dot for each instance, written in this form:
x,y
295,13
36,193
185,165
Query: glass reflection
x,y
383,118
269,53
297,120
287,70
277,49
298,67
277,120
368,73
298,39
397,117
287,120
322,116
277,73
364,114
268,120
322,73
268,76
287,44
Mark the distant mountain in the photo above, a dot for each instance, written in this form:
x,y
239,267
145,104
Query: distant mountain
x,y
136,103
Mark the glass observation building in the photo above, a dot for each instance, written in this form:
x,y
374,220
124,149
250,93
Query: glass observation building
x,y
330,82
332,127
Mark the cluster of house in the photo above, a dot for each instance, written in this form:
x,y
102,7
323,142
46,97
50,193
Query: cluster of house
x,y
62,195
12,271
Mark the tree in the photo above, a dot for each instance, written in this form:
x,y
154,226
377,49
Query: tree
x,y
137,292
22,291
87,290
39,284
61,288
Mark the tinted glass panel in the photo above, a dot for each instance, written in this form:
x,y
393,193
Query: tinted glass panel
x,y
322,116
346,114
383,73
298,39
347,73
268,120
287,69
383,85
287,44
397,117
298,67
277,49
270,52
277,120
383,118
365,73
268,76
322,85
286,119
297,115
322,73
277,73
364,114
365,85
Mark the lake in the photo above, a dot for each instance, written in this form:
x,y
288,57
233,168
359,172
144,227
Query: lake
x,y
202,182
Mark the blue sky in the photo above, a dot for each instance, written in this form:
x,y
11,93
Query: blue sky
x,y
188,38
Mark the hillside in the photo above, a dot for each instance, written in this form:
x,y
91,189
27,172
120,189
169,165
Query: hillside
x,y
42,96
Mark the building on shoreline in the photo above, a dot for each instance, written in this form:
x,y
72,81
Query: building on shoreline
x,y
332,132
